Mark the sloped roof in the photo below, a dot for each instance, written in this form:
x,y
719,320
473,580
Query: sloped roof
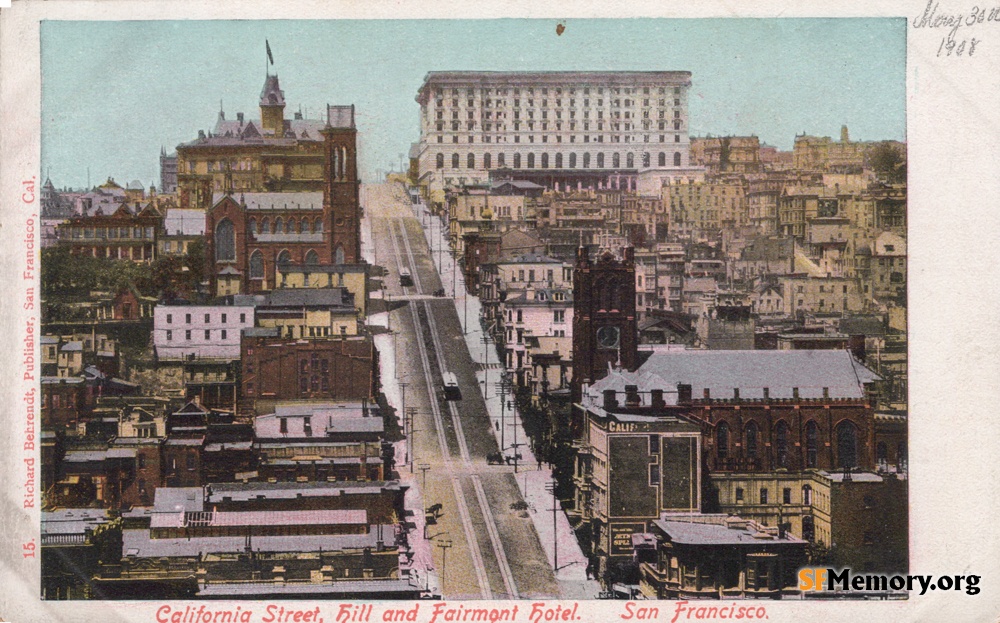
x,y
275,201
271,94
722,371
180,222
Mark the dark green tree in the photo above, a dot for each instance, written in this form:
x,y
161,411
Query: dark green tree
x,y
888,163
196,263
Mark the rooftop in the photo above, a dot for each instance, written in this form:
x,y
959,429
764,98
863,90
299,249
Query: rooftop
x,y
276,201
750,371
139,543
736,533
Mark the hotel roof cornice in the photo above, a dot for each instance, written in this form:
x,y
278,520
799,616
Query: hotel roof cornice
x,y
546,78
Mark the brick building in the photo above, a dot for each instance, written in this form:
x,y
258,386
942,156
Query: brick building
x,y
604,320
338,368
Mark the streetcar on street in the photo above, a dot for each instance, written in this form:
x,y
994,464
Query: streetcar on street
x,y
449,383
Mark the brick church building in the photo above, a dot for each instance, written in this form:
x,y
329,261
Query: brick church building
x,y
251,234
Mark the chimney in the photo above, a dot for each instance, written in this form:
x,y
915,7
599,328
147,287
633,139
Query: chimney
x,y
826,392
631,396
767,393
795,393
239,117
656,396
736,393
707,394
298,116
201,134
610,402
683,394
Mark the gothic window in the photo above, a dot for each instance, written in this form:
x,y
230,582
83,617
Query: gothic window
x,y
751,440
812,443
284,257
257,265
847,445
662,159
454,161
265,226
318,226
279,226
225,241
881,452
722,441
677,158
338,256
290,227
312,257
253,226
781,444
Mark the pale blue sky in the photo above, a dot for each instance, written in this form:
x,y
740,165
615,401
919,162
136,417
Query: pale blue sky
x,y
114,92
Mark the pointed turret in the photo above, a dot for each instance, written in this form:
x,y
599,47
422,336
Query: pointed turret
x,y
272,107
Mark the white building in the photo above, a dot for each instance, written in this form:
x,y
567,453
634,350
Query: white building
x,y
200,331
534,313
474,122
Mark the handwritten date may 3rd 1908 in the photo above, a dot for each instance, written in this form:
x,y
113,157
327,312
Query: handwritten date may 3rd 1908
x,y
953,44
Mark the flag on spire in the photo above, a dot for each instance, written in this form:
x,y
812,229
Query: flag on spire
x,y
268,46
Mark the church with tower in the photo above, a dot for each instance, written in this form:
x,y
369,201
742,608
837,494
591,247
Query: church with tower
x,y
277,193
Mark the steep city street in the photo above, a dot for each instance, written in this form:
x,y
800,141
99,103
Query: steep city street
x,y
495,551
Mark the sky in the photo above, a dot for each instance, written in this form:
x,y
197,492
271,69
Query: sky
x,y
114,93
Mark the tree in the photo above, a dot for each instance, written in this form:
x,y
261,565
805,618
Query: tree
x,y
195,261
888,163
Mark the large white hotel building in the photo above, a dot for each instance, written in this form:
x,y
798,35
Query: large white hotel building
x,y
613,125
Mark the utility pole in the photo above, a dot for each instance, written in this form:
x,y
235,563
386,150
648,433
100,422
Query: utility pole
x,y
551,488
402,385
410,440
444,544
424,468
515,445
503,386
465,307
486,344
395,352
